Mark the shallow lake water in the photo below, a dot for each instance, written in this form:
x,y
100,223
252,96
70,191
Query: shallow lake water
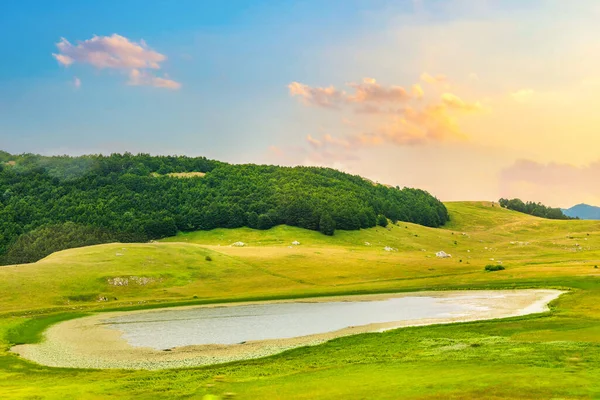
x,y
170,328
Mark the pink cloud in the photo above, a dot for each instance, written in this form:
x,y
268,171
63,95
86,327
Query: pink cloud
x,y
413,126
116,52
417,91
558,184
113,51
434,80
370,109
336,141
386,115
369,91
143,78
276,150
328,97
62,59
453,101
313,142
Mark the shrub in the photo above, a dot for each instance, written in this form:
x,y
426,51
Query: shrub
x,y
83,297
327,224
208,258
492,268
264,222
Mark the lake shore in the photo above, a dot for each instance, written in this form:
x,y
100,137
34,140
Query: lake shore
x,y
89,342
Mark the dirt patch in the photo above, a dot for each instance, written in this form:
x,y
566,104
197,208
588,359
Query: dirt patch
x,y
187,174
131,280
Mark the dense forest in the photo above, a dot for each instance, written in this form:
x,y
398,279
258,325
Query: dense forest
x,y
52,203
535,209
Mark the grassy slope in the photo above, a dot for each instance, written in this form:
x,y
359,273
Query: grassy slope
x,y
556,355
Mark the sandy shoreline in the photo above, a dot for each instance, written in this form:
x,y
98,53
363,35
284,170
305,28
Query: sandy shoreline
x,y
89,342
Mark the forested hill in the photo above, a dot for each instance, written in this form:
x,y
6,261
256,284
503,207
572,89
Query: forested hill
x,y
51,203
535,209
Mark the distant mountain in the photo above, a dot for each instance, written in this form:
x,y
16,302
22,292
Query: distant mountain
x,y
583,211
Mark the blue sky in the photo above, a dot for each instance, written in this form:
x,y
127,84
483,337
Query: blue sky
x,y
234,60
415,92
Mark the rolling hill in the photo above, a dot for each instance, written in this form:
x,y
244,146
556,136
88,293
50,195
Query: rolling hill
x,y
268,265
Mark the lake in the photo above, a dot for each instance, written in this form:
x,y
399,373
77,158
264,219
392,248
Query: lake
x,y
219,333
171,328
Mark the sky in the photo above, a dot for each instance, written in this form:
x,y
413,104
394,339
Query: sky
x,y
467,99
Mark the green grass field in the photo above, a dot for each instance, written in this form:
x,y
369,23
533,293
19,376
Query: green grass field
x,y
555,355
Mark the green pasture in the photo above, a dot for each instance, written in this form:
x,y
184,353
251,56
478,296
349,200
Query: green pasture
x,y
553,355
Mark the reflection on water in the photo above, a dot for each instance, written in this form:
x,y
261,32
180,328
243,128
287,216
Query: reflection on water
x,y
170,328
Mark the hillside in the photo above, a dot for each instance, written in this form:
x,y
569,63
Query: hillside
x,y
583,211
176,268
127,198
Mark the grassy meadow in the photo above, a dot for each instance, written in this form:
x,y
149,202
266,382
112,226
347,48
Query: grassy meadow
x,y
554,355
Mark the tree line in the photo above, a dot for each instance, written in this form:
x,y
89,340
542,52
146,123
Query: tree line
x,y
52,203
535,209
